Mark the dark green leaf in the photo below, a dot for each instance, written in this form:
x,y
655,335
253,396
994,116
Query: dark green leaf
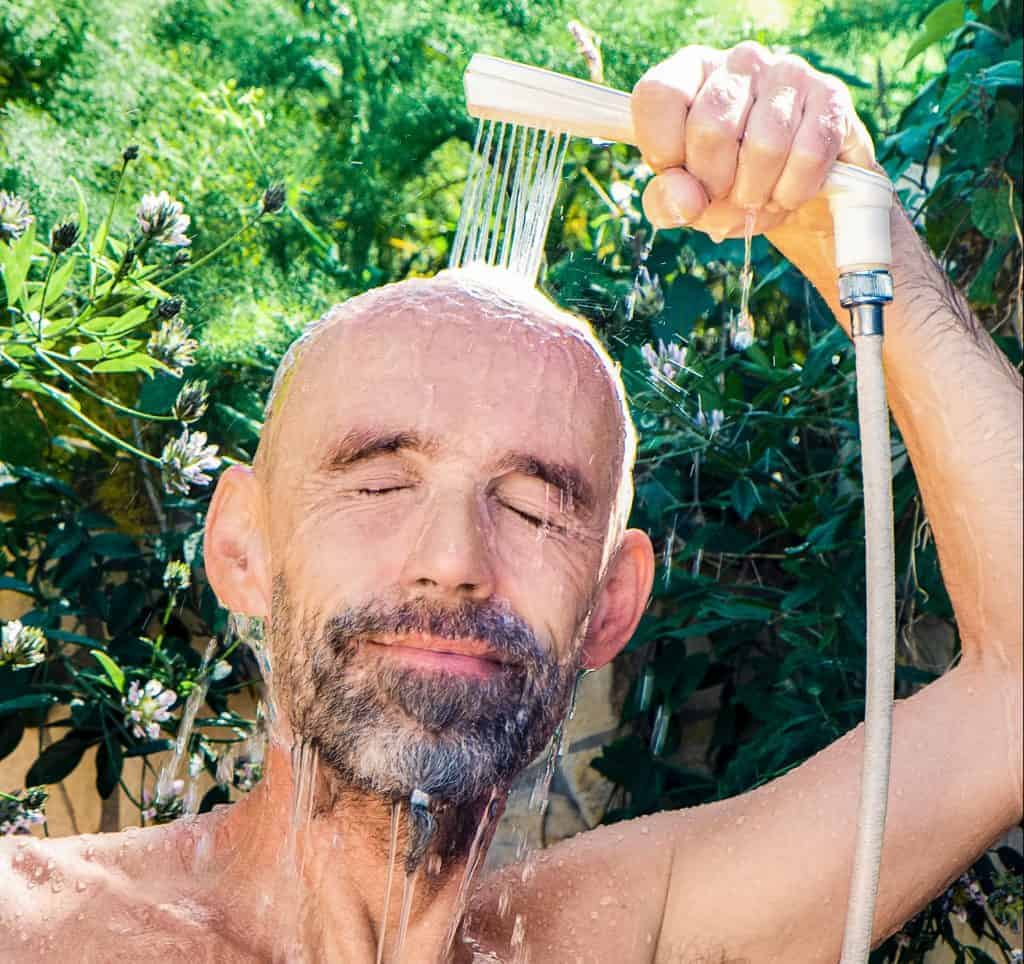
x,y
109,763
59,759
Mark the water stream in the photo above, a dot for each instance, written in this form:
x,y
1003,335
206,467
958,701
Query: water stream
x,y
741,327
396,813
513,179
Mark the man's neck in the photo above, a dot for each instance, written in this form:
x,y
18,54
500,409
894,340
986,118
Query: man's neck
x,y
322,861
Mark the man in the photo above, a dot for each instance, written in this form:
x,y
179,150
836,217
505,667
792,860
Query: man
x,y
433,532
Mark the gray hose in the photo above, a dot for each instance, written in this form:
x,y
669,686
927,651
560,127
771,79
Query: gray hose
x,y
876,454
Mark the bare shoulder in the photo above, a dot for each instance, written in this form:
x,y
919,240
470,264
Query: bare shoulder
x,y
76,898
597,897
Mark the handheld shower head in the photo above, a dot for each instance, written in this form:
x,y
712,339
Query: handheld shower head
x,y
505,91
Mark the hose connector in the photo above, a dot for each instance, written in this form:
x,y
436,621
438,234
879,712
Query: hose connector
x,y
863,294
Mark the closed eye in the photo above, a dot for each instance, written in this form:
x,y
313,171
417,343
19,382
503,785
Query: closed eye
x,y
533,520
382,491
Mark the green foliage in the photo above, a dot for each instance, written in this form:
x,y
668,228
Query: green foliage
x,y
93,350
748,478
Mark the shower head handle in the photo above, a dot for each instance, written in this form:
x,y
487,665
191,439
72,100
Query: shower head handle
x,y
505,91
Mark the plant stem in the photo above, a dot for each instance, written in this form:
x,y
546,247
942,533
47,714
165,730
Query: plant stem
x,y
117,406
210,254
42,303
101,237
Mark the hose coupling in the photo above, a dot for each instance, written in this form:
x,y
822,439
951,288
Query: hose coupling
x,y
864,293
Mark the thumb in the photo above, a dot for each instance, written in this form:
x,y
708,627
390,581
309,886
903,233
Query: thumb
x,y
674,198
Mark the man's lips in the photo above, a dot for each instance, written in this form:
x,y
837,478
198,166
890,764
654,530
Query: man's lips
x,y
468,657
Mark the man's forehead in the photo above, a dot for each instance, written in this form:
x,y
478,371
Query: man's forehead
x,y
446,361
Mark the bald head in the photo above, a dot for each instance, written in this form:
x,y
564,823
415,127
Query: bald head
x,y
471,311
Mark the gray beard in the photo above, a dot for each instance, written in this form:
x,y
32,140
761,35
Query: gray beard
x,y
388,730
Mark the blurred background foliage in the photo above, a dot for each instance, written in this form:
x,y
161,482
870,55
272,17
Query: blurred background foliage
x,y
748,479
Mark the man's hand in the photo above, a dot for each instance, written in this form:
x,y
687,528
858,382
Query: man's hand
x,y
729,131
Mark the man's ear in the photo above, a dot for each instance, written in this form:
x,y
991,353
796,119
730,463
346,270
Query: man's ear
x,y
621,600
234,545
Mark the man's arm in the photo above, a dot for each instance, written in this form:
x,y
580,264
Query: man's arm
x,y
765,876
956,775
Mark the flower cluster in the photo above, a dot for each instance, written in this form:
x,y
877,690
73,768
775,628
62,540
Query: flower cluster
x,y
177,576
964,894
191,402
185,461
21,810
163,220
171,344
15,217
146,707
666,362
166,805
21,646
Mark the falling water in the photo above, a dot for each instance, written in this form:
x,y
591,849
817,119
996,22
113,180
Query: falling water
x,y
396,812
741,328
305,769
164,790
510,191
476,853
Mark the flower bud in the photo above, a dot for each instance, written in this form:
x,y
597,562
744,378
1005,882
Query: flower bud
x,y
63,236
273,198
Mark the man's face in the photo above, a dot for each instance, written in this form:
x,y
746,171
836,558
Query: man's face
x,y
439,494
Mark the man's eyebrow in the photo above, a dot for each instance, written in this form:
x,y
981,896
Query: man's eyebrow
x,y
358,445
563,476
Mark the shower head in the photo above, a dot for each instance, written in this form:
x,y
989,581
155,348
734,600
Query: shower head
x,y
505,91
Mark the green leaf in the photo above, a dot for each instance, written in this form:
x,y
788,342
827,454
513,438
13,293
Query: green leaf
x,y
213,797
11,730
981,287
59,759
744,497
109,764
941,22
58,282
134,362
17,263
113,545
111,668
992,214
1005,74
34,701
16,585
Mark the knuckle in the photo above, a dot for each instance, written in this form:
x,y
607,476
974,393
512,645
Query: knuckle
x,y
749,53
709,130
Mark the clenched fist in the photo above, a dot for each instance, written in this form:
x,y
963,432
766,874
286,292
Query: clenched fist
x,y
730,131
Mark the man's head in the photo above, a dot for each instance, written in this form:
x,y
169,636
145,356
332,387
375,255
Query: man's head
x,y
434,529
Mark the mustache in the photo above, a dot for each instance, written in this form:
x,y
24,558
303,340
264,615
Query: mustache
x,y
501,629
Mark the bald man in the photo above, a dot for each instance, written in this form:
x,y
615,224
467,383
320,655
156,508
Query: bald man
x,y
434,532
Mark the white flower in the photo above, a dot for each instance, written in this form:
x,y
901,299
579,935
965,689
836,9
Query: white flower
x,y
171,344
167,804
713,423
147,707
15,217
162,218
177,576
21,646
186,460
667,361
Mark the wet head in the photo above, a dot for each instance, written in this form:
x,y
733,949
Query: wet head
x,y
434,531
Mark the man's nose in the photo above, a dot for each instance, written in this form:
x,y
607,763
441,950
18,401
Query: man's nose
x,y
451,555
